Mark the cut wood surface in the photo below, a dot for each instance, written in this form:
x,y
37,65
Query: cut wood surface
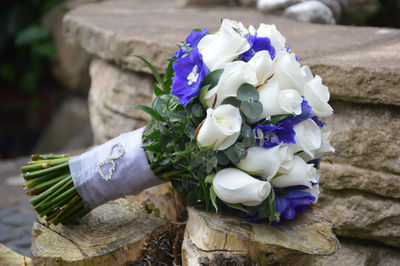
x,y
8,257
121,232
212,239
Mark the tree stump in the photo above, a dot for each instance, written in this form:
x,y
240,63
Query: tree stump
x,y
164,201
11,258
121,232
212,239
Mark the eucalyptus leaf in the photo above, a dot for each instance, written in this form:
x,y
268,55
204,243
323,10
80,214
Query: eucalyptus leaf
x,y
232,101
247,92
252,110
222,158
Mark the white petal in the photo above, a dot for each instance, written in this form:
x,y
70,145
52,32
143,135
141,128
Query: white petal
x,y
300,173
261,162
234,186
308,138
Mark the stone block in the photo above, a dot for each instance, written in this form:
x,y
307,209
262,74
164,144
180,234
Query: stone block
x,y
367,136
345,176
362,215
113,94
360,64
353,252
71,66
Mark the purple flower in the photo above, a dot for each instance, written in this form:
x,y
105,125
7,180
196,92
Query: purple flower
x,y
305,113
191,42
318,122
276,134
291,201
257,44
189,73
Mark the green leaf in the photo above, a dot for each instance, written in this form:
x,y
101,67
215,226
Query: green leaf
x,y
197,111
206,195
247,92
236,206
213,198
32,34
232,101
209,179
169,73
240,150
203,93
252,110
212,78
276,118
222,158
150,111
45,50
153,70
232,155
191,197
157,90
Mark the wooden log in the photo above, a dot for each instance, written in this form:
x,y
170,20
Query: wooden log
x,y
164,201
212,239
11,258
121,232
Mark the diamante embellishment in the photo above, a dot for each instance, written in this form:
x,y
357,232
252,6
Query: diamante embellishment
x,y
111,160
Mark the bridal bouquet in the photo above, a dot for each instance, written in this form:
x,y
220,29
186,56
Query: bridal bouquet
x,y
235,125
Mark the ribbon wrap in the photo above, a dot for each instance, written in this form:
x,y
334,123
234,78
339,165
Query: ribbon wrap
x,y
114,169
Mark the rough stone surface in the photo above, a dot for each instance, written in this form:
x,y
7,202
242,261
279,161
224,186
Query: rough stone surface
x,y
112,95
71,66
310,11
367,136
352,252
345,176
348,58
361,215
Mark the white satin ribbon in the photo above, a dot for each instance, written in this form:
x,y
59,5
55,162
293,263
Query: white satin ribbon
x,y
112,170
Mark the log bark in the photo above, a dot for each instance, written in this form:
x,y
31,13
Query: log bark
x,y
11,258
212,239
121,232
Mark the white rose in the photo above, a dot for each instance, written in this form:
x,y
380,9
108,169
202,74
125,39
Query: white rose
x,y
234,75
221,128
270,31
222,47
308,139
300,173
286,156
262,64
288,72
276,101
326,147
234,186
261,162
316,94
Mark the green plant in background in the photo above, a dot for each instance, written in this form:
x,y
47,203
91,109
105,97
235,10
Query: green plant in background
x,y
25,45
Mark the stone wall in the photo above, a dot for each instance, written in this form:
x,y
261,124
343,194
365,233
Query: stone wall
x,y
360,182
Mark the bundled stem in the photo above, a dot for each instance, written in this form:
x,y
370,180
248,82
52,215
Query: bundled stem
x,y
48,178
